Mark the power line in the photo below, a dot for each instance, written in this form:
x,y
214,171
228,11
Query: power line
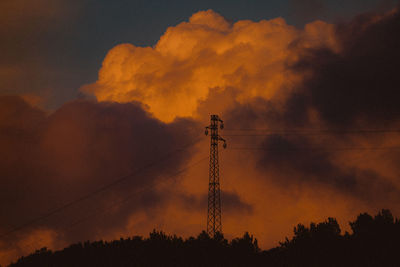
x,y
95,192
314,149
138,191
260,132
126,198
313,129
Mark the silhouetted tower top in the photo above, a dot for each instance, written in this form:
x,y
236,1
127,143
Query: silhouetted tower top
x,y
214,223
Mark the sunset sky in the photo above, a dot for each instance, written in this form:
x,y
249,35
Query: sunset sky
x,y
103,106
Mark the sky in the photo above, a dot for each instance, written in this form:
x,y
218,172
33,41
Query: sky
x,y
103,106
59,45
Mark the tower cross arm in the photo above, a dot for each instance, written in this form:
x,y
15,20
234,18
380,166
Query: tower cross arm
x,y
223,140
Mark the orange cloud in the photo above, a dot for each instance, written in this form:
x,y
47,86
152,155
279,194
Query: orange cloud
x,y
205,53
36,239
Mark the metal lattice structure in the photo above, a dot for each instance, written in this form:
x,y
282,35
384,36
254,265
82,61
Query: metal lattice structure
x,y
214,224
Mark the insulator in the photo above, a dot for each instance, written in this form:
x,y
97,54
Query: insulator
x,y
206,132
224,145
222,126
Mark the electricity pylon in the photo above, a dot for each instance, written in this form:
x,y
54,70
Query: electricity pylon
x,y
214,224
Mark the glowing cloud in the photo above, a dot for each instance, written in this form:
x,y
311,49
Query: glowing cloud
x,y
208,52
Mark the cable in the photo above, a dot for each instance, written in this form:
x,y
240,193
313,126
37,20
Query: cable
x,y
101,189
141,190
125,199
314,149
258,132
318,130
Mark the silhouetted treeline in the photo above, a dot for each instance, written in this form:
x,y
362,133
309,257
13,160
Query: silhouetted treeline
x,y
374,241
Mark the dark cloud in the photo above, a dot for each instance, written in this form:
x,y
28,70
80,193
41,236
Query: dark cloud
x,y
25,27
231,203
306,159
299,159
356,88
359,83
50,160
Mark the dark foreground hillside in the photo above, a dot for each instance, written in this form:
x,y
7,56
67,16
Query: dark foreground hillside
x,y
374,241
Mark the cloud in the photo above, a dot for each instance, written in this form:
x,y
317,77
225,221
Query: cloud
x,y
27,28
349,88
360,82
23,23
48,160
232,203
204,54
35,240
299,160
